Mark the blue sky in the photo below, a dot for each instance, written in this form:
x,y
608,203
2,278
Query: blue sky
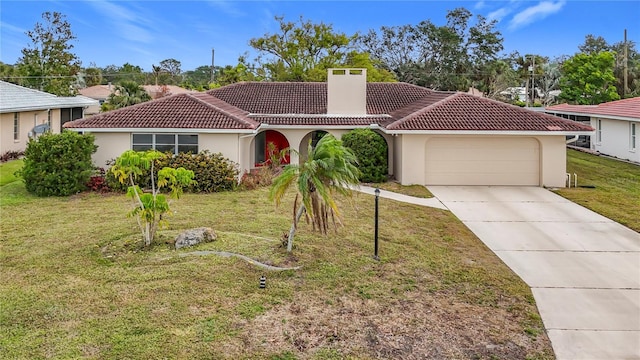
x,y
146,32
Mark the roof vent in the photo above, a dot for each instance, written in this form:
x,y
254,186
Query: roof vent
x,y
553,127
347,92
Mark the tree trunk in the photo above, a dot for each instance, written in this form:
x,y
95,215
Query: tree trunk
x,y
292,231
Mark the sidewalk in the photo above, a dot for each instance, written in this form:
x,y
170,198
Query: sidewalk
x,y
430,202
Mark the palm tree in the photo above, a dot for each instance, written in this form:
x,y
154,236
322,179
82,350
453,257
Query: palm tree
x,y
329,168
126,93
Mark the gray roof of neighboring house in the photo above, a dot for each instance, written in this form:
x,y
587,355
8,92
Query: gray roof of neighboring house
x,y
15,98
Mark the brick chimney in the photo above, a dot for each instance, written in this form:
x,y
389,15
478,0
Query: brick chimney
x,y
347,92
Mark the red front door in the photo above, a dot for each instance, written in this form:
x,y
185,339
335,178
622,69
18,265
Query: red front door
x,y
279,142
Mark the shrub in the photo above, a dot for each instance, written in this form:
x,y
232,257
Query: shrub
x,y
97,182
212,172
259,178
11,155
58,164
371,150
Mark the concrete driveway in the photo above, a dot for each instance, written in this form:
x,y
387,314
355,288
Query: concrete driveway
x,y
583,269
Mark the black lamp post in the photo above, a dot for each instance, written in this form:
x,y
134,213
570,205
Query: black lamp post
x,y
375,236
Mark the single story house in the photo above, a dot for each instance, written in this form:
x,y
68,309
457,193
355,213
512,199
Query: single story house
x,y
617,125
25,113
433,137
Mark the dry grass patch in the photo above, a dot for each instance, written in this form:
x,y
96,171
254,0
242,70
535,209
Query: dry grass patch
x,y
77,285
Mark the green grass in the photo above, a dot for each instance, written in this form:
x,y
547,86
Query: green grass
x,y
7,171
76,284
617,187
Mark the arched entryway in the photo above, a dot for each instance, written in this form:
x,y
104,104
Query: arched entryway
x,y
314,137
268,145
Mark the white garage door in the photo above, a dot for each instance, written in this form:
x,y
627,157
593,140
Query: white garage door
x,y
482,161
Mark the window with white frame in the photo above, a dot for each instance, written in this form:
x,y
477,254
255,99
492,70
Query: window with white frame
x,y
173,143
598,131
16,126
633,136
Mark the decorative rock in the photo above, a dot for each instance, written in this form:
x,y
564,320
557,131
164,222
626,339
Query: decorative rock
x,y
195,236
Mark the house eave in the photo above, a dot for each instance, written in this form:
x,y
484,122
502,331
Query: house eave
x,y
487,132
164,130
265,126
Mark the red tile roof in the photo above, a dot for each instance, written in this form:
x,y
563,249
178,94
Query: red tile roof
x,y
182,111
627,108
394,106
461,111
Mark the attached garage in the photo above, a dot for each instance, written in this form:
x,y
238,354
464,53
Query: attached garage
x,y
482,161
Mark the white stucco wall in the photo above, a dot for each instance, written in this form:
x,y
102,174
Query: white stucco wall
x,y
110,146
411,158
615,139
553,161
28,120
227,144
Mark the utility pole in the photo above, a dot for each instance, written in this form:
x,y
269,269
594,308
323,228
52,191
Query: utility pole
x,y
526,87
533,80
625,72
213,69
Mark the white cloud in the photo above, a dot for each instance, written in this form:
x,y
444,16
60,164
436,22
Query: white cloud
x,y
479,5
535,13
498,14
227,7
129,24
6,26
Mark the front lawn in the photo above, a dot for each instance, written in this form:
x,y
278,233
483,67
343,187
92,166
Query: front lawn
x,y
617,187
7,171
76,285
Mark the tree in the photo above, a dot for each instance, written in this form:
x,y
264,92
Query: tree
x,y
126,93
329,168
199,78
550,81
48,64
170,71
596,44
127,72
9,73
149,208
301,51
588,79
499,75
375,71
449,57
233,74
92,75
156,71
58,164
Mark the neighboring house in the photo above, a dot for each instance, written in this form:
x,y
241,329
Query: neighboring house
x,y
102,92
158,91
519,93
97,92
434,137
617,125
25,113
